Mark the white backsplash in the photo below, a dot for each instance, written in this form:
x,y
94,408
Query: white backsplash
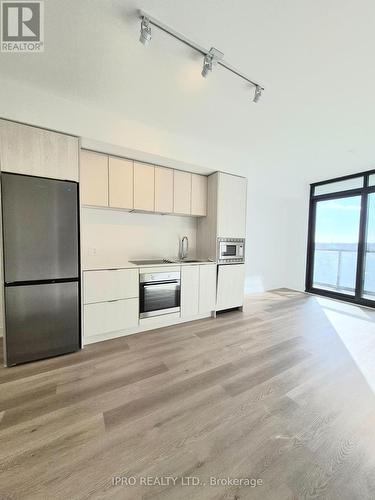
x,y
112,237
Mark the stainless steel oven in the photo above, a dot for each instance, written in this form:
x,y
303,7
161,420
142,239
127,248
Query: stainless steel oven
x,y
159,293
230,250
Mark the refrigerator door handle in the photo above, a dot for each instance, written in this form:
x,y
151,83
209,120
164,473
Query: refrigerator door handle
x,y
41,282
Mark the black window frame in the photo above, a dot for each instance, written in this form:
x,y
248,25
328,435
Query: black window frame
x,y
364,193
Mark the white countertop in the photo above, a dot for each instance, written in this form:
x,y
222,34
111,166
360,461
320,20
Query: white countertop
x,y
129,265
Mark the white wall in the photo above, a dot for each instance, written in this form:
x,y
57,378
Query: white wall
x,y
315,120
110,238
265,249
278,175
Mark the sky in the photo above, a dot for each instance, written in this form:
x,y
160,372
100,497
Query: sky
x,y
337,221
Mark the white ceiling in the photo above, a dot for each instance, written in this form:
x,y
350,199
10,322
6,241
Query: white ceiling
x,y
315,59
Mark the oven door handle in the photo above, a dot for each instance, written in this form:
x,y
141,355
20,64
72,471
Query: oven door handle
x,y
160,283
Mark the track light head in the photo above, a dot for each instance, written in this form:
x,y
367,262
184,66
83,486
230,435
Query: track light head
x,y
145,36
210,59
207,65
257,93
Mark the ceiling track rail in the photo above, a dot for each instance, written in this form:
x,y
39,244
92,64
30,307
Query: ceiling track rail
x,y
198,48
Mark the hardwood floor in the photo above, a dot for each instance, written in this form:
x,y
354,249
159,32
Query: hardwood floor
x,y
283,392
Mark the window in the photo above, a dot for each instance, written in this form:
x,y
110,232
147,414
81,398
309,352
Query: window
x,y
336,244
335,187
369,271
341,250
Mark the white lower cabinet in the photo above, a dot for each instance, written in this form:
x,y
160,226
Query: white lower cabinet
x,y
112,316
189,291
230,286
111,299
110,284
207,288
198,289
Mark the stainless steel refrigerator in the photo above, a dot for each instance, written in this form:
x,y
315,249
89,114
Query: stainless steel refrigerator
x,y
41,267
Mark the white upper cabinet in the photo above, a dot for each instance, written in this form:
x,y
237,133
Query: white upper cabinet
x,y
94,178
182,193
144,187
198,195
121,183
35,151
231,206
163,190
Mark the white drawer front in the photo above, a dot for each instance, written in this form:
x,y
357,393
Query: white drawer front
x,y
100,286
105,317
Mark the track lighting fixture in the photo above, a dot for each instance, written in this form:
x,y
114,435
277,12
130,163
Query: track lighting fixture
x,y
145,36
207,65
257,93
211,57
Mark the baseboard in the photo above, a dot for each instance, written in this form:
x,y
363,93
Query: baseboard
x,y
144,326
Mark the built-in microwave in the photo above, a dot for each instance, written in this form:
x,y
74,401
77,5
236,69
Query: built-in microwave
x,y
230,250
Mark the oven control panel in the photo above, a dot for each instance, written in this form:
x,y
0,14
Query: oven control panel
x,y
167,276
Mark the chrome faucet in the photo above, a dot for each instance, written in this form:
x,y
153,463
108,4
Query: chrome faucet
x,y
184,247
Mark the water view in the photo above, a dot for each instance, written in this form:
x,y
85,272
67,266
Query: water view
x,y
336,245
335,267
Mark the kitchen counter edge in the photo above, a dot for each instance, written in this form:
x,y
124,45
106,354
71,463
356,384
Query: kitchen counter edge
x,y
137,266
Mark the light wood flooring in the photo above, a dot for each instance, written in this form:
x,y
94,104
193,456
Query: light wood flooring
x,y
282,392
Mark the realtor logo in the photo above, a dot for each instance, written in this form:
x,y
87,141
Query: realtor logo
x,y
22,26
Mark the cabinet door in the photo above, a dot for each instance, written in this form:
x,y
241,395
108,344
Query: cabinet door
x,y
106,317
198,195
94,179
163,190
182,193
189,291
231,206
144,187
230,286
207,288
112,284
121,183
35,151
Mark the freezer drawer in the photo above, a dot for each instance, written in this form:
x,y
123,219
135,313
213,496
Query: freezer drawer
x,y
230,286
41,321
40,225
